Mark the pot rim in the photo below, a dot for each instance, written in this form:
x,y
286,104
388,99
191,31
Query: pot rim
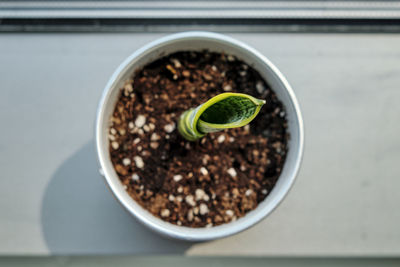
x,y
145,217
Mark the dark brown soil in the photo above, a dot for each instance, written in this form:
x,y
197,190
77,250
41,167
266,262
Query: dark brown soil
x,y
215,180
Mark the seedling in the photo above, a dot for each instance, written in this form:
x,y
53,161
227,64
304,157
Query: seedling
x,y
224,111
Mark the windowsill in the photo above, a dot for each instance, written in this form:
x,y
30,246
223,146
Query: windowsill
x,y
344,203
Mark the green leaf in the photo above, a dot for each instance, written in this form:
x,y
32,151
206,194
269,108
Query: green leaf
x,y
224,111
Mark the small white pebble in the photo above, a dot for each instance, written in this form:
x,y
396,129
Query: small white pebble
x,y
221,138
232,172
199,194
125,186
214,68
180,189
138,162
115,145
146,128
242,168
243,73
175,77
176,62
140,132
190,215
177,177
152,126
165,213
264,191
206,197
248,192
154,145
136,141
167,136
169,128
139,148
113,131
231,139
111,137
229,213
135,177
203,209
227,88
247,128
196,210
179,223
203,171
260,87
140,121
122,132
131,125
190,200
171,198
154,137
179,198
231,58
209,225
126,161
128,87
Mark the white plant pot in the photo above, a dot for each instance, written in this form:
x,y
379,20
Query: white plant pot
x,y
215,43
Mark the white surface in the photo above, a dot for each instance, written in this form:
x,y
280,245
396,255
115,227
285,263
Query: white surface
x,y
345,201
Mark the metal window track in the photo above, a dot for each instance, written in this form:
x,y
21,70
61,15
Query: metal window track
x,y
200,9
219,15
